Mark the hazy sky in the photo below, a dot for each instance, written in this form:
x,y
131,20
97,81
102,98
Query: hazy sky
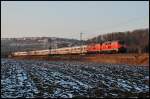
x,y
69,18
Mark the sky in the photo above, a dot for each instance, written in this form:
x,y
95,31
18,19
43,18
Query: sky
x,y
67,19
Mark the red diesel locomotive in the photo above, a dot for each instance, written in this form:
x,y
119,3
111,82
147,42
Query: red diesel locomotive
x,y
107,47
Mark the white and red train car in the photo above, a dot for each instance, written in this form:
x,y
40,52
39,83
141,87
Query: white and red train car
x,y
106,47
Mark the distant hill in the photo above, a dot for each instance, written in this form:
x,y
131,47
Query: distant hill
x,y
9,45
136,40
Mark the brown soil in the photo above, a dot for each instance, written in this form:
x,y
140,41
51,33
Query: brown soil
x,y
136,59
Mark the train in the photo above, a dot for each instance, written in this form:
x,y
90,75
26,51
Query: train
x,y
94,48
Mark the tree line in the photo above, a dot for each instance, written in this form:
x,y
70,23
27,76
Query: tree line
x,y
137,41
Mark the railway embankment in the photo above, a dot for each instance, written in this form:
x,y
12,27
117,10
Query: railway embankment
x,y
135,59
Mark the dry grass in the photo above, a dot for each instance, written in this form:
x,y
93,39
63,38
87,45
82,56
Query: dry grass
x,y
133,59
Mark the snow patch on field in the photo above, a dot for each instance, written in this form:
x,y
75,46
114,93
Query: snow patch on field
x,y
31,79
